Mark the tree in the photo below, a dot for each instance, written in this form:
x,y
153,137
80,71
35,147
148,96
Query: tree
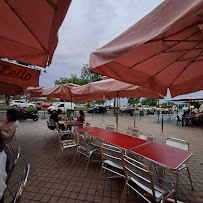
x,y
149,102
135,100
76,80
87,76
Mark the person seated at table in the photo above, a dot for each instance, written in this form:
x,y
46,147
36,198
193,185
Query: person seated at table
x,y
3,172
81,117
8,126
56,118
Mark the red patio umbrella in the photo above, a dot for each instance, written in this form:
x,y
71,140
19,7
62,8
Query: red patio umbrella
x,y
29,29
110,88
163,50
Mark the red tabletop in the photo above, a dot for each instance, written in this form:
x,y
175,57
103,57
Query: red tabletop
x,y
163,155
72,123
118,139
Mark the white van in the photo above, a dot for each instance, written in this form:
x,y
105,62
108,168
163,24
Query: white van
x,y
63,106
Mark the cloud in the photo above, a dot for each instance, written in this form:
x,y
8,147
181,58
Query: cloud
x,y
89,25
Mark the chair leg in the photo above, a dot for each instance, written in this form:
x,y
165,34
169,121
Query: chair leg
x,y
176,190
190,178
11,153
123,196
99,176
87,164
74,159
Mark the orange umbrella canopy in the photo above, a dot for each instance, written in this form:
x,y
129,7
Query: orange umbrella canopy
x,y
163,50
111,88
29,29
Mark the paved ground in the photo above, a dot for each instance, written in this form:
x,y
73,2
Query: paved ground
x,y
52,179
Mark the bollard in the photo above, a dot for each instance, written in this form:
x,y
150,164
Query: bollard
x,y
102,115
162,123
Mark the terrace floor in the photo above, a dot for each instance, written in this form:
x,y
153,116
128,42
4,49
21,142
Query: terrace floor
x,y
52,179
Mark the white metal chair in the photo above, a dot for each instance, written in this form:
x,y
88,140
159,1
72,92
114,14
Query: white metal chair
x,y
9,145
112,158
51,125
137,174
133,131
147,137
11,168
22,184
66,142
184,145
110,127
84,148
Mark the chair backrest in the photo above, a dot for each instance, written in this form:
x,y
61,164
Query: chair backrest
x,y
178,118
139,173
51,124
110,127
57,127
178,143
147,137
22,184
132,131
17,156
82,142
111,153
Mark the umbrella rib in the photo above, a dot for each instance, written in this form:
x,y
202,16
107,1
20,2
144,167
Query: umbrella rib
x,y
190,62
162,51
175,61
183,50
12,9
175,33
21,44
160,70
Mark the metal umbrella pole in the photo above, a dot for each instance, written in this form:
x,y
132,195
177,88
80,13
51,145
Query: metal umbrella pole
x,y
117,115
134,117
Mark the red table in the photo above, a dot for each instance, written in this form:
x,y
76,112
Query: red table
x,y
123,141
72,123
163,155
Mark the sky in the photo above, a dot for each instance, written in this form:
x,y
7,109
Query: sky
x,y
89,25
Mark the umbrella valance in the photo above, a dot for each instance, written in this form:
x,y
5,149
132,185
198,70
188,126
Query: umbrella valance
x,y
163,50
14,79
29,29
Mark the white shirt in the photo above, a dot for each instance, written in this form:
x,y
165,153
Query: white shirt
x,y
7,129
3,174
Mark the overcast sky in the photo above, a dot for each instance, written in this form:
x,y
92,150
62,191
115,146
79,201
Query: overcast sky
x,y
89,25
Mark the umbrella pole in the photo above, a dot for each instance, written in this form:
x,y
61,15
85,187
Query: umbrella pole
x,y
134,118
117,115
71,106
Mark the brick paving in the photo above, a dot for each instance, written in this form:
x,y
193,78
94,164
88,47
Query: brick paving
x,y
52,179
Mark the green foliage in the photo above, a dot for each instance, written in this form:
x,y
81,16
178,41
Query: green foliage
x,y
149,102
85,77
134,100
76,80
167,105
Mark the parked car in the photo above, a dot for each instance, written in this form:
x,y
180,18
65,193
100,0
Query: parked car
x,y
45,105
79,106
97,109
22,104
63,106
